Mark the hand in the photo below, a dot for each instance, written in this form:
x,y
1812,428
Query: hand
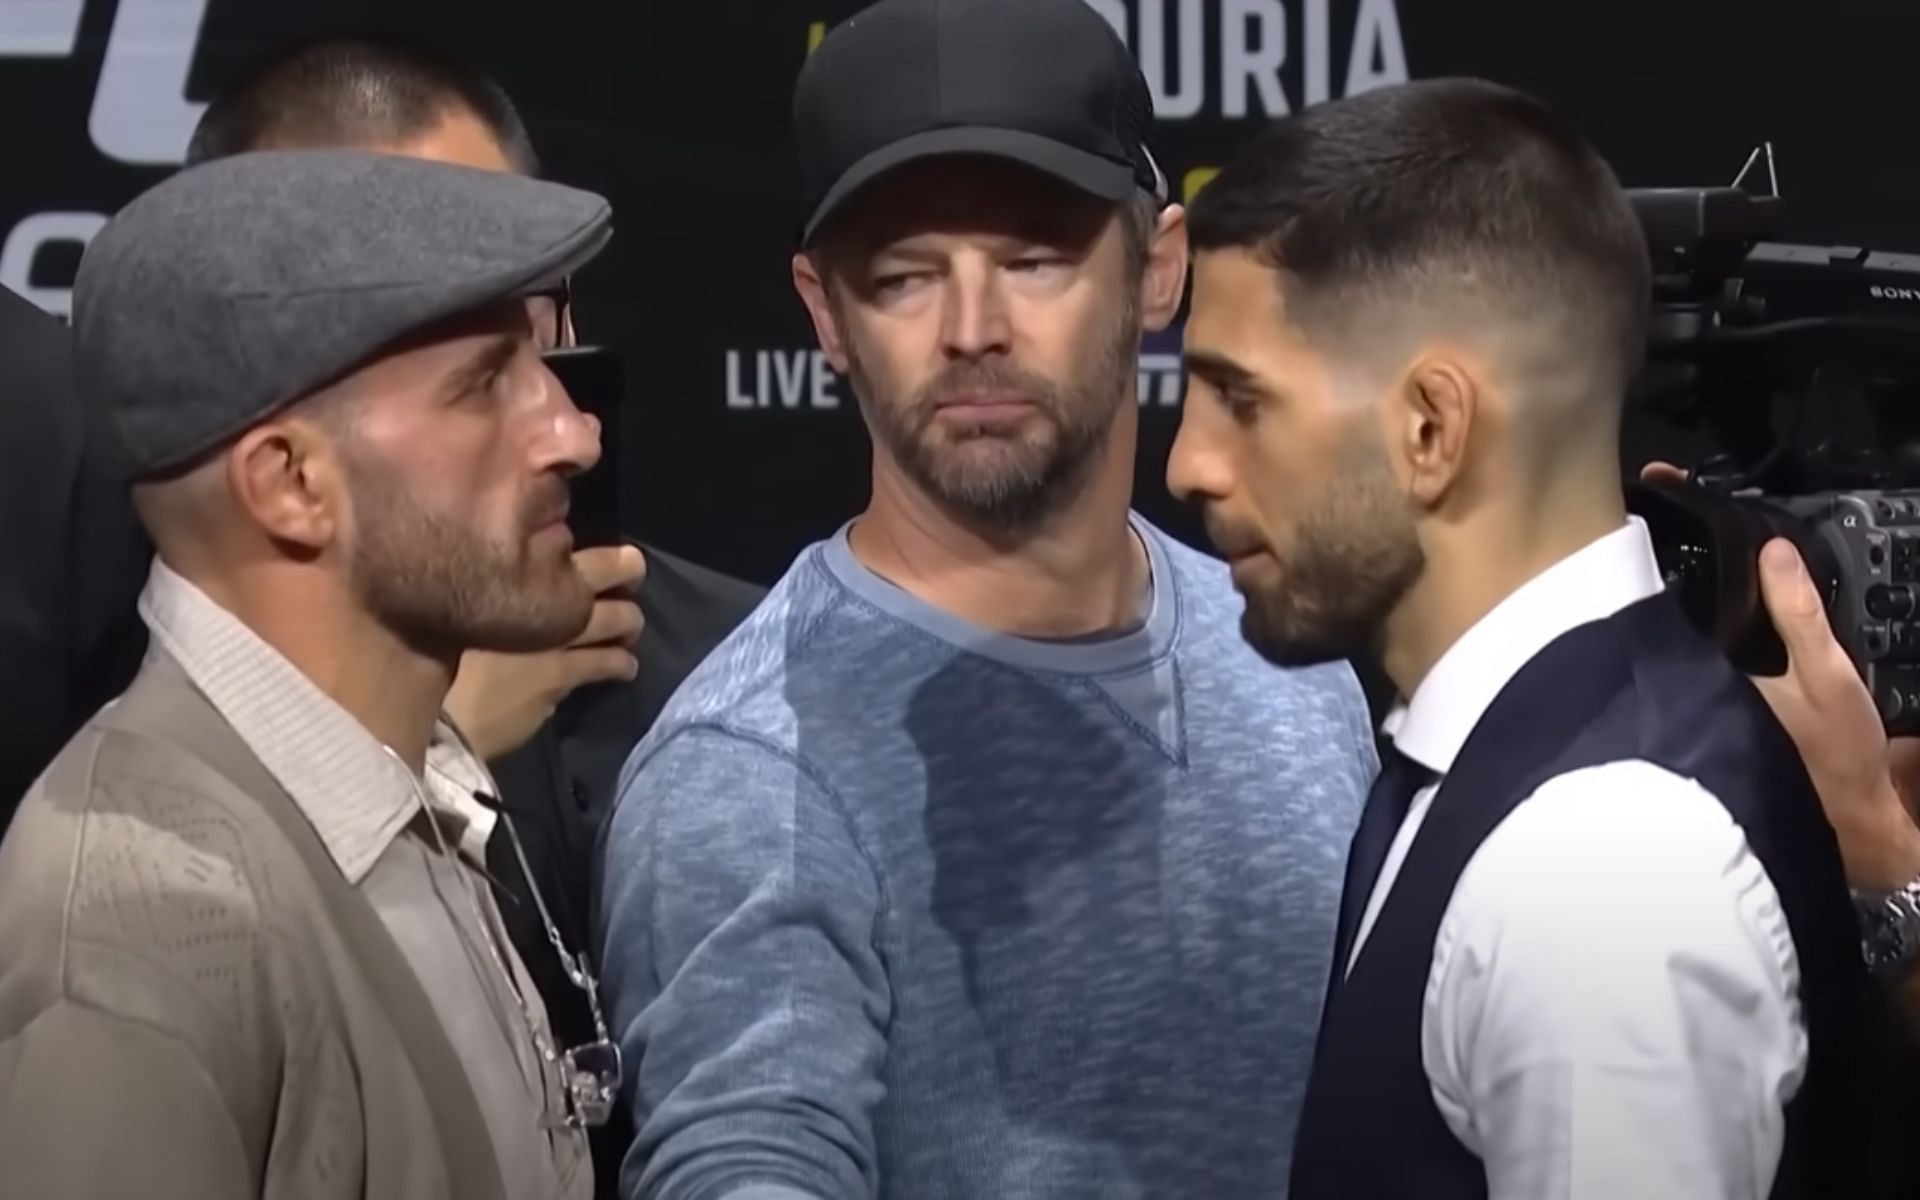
x,y
1831,717
1826,709
500,700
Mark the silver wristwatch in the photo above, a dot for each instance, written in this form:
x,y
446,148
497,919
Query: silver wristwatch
x,y
1890,930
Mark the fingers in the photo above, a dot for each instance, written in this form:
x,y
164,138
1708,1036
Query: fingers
x,y
598,664
610,568
1663,472
613,621
1794,605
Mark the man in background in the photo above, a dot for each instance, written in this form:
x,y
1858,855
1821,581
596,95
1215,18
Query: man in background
x,y
553,740
72,556
985,861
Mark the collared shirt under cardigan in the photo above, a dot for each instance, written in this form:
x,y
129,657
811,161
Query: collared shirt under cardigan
x,y
366,807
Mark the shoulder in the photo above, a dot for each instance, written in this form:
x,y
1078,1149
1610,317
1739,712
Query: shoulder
x,y
775,630
710,788
167,852
714,818
804,652
1628,814
139,883
1620,867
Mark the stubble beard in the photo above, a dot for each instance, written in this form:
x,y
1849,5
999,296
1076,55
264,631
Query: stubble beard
x,y
444,588
1006,477
1352,561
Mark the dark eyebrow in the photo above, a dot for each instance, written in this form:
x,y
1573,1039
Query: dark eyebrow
x,y
906,251
1223,372
491,359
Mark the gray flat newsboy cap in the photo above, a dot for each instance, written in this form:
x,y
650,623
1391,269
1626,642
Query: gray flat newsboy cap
x,y
241,285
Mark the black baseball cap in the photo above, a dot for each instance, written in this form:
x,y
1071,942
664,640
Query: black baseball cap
x,y
1044,83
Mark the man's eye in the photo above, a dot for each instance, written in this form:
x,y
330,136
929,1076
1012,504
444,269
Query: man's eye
x,y
1243,406
896,281
486,389
1036,262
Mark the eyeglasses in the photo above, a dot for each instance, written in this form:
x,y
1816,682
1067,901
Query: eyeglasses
x,y
551,312
589,1075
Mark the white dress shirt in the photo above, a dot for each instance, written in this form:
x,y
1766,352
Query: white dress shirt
x,y
1612,1009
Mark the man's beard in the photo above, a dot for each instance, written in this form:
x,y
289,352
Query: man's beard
x,y
1005,478
443,588
1352,560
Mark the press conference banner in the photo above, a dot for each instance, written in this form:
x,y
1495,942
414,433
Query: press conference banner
x,y
740,443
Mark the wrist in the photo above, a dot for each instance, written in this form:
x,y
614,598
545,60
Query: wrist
x,y
1883,853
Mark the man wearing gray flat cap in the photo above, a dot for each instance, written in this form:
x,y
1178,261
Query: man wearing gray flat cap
x,y
244,918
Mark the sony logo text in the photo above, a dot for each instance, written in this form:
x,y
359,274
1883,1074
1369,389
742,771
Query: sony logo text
x,y
1882,292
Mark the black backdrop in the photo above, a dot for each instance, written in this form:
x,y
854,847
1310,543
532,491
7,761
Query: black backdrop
x,y
740,446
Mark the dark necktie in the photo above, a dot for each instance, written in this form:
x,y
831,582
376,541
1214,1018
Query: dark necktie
x,y
1387,804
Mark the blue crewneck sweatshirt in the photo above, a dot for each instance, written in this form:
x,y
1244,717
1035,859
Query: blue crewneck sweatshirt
x,y
896,906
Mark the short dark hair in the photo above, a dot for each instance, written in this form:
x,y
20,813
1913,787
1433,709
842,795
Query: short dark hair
x,y
342,88
1446,193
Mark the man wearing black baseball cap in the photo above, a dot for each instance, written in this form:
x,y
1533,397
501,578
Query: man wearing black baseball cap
x,y
245,925
986,859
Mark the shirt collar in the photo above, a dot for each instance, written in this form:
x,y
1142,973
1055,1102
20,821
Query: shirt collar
x,y
355,793
1593,583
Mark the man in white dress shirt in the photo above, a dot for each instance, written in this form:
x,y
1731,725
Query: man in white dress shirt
x,y
1595,940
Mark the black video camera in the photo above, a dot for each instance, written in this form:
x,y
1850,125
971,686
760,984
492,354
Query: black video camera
x,y
1802,364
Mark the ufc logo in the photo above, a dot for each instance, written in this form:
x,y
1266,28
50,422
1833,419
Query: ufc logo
x,y
140,111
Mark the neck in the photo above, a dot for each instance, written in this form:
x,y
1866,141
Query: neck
x,y
1473,565
393,690
1080,570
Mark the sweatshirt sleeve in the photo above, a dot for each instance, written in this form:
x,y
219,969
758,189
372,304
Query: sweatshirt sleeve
x,y
742,977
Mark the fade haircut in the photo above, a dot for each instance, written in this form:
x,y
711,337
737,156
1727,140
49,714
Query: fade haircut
x,y
1443,204
356,88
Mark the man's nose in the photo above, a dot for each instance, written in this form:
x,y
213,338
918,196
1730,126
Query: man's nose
x,y
1185,463
577,438
976,322
1196,469
569,439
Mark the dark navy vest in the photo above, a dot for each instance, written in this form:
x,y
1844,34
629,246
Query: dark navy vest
x,y
1638,685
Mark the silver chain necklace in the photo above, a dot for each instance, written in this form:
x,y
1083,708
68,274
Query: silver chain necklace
x,y
591,1073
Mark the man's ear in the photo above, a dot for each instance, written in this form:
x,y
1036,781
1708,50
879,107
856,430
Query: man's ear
x,y
812,286
1440,400
287,479
1165,282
